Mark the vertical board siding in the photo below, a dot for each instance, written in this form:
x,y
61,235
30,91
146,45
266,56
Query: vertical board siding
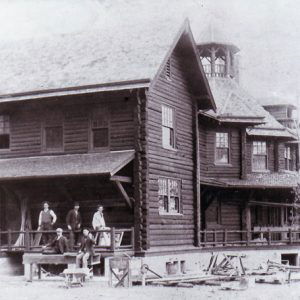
x,y
178,163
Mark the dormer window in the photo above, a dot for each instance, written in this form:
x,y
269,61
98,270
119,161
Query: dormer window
x,y
259,156
4,132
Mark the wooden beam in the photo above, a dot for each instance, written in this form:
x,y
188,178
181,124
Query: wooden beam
x,y
197,206
123,193
125,179
274,204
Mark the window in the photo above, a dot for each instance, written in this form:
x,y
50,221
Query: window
x,y
53,137
4,132
169,195
288,160
259,156
100,129
222,148
168,69
168,133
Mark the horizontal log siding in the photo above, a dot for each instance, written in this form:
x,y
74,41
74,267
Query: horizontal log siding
x,y
26,127
207,152
178,164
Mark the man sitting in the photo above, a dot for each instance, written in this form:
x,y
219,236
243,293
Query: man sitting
x,y
58,246
86,249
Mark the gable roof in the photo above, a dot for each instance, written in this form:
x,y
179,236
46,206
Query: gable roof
x,y
107,57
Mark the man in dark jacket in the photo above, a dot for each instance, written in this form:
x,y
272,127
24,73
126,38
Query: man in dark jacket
x,y
59,245
86,249
73,221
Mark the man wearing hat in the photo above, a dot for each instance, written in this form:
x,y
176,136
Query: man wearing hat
x,y
58,246
73,221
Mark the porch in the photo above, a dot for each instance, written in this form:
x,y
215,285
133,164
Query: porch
x,y
259,237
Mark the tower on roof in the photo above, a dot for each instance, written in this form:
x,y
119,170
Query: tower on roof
x,y
218,55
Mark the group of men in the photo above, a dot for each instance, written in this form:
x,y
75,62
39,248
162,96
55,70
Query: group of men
x,y
60,244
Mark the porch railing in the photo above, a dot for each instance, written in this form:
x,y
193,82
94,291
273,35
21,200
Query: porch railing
x,y
244,238
26,239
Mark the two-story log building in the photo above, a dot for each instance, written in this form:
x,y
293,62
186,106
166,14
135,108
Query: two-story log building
x,y
106,117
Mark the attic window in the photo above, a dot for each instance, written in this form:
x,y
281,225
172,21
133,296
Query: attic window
x,y
168,69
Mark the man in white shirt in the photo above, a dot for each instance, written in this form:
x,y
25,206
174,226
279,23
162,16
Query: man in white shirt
x,y
99,224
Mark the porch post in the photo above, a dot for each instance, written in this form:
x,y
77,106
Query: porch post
x,y
246,222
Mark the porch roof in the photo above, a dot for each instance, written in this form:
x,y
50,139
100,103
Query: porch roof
x,y
257,180
108,163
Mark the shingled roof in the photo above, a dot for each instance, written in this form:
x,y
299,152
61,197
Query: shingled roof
x,y
230,101
107,55
65,165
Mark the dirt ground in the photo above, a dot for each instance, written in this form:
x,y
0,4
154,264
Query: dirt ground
x,y
15,288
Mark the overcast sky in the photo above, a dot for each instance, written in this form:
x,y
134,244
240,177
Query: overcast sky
x,y
266,31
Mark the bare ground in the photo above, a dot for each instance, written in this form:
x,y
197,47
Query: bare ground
x,y
15,288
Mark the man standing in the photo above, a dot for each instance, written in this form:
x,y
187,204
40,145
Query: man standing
x,y
58,246
47,219
73,221
86,249
99,224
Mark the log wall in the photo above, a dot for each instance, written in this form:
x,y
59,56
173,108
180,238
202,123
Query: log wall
x,y
75,114
168,230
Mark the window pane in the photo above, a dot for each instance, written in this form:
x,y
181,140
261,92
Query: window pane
x,y
222,155
100,137
54,137
167,116
4,141
259,162
168,137
259,148
222,140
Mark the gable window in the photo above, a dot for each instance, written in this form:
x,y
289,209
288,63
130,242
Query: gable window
x,y
4,132
259,156
169,195
53,137
168,132
288,160
168,70
222,148
100,129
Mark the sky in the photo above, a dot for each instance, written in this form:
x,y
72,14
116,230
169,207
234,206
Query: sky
x,y
266,31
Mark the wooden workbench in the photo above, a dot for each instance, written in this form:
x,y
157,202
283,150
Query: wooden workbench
x,y
29,259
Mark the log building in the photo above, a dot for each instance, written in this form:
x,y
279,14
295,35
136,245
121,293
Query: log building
x,y
154,128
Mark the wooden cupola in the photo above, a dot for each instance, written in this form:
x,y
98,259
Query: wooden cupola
x,y
217,54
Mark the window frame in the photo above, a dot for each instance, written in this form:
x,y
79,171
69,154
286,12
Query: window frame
x,y
172,129
48,124
105,111
228,163
266,155
288,158
8,134
163,212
